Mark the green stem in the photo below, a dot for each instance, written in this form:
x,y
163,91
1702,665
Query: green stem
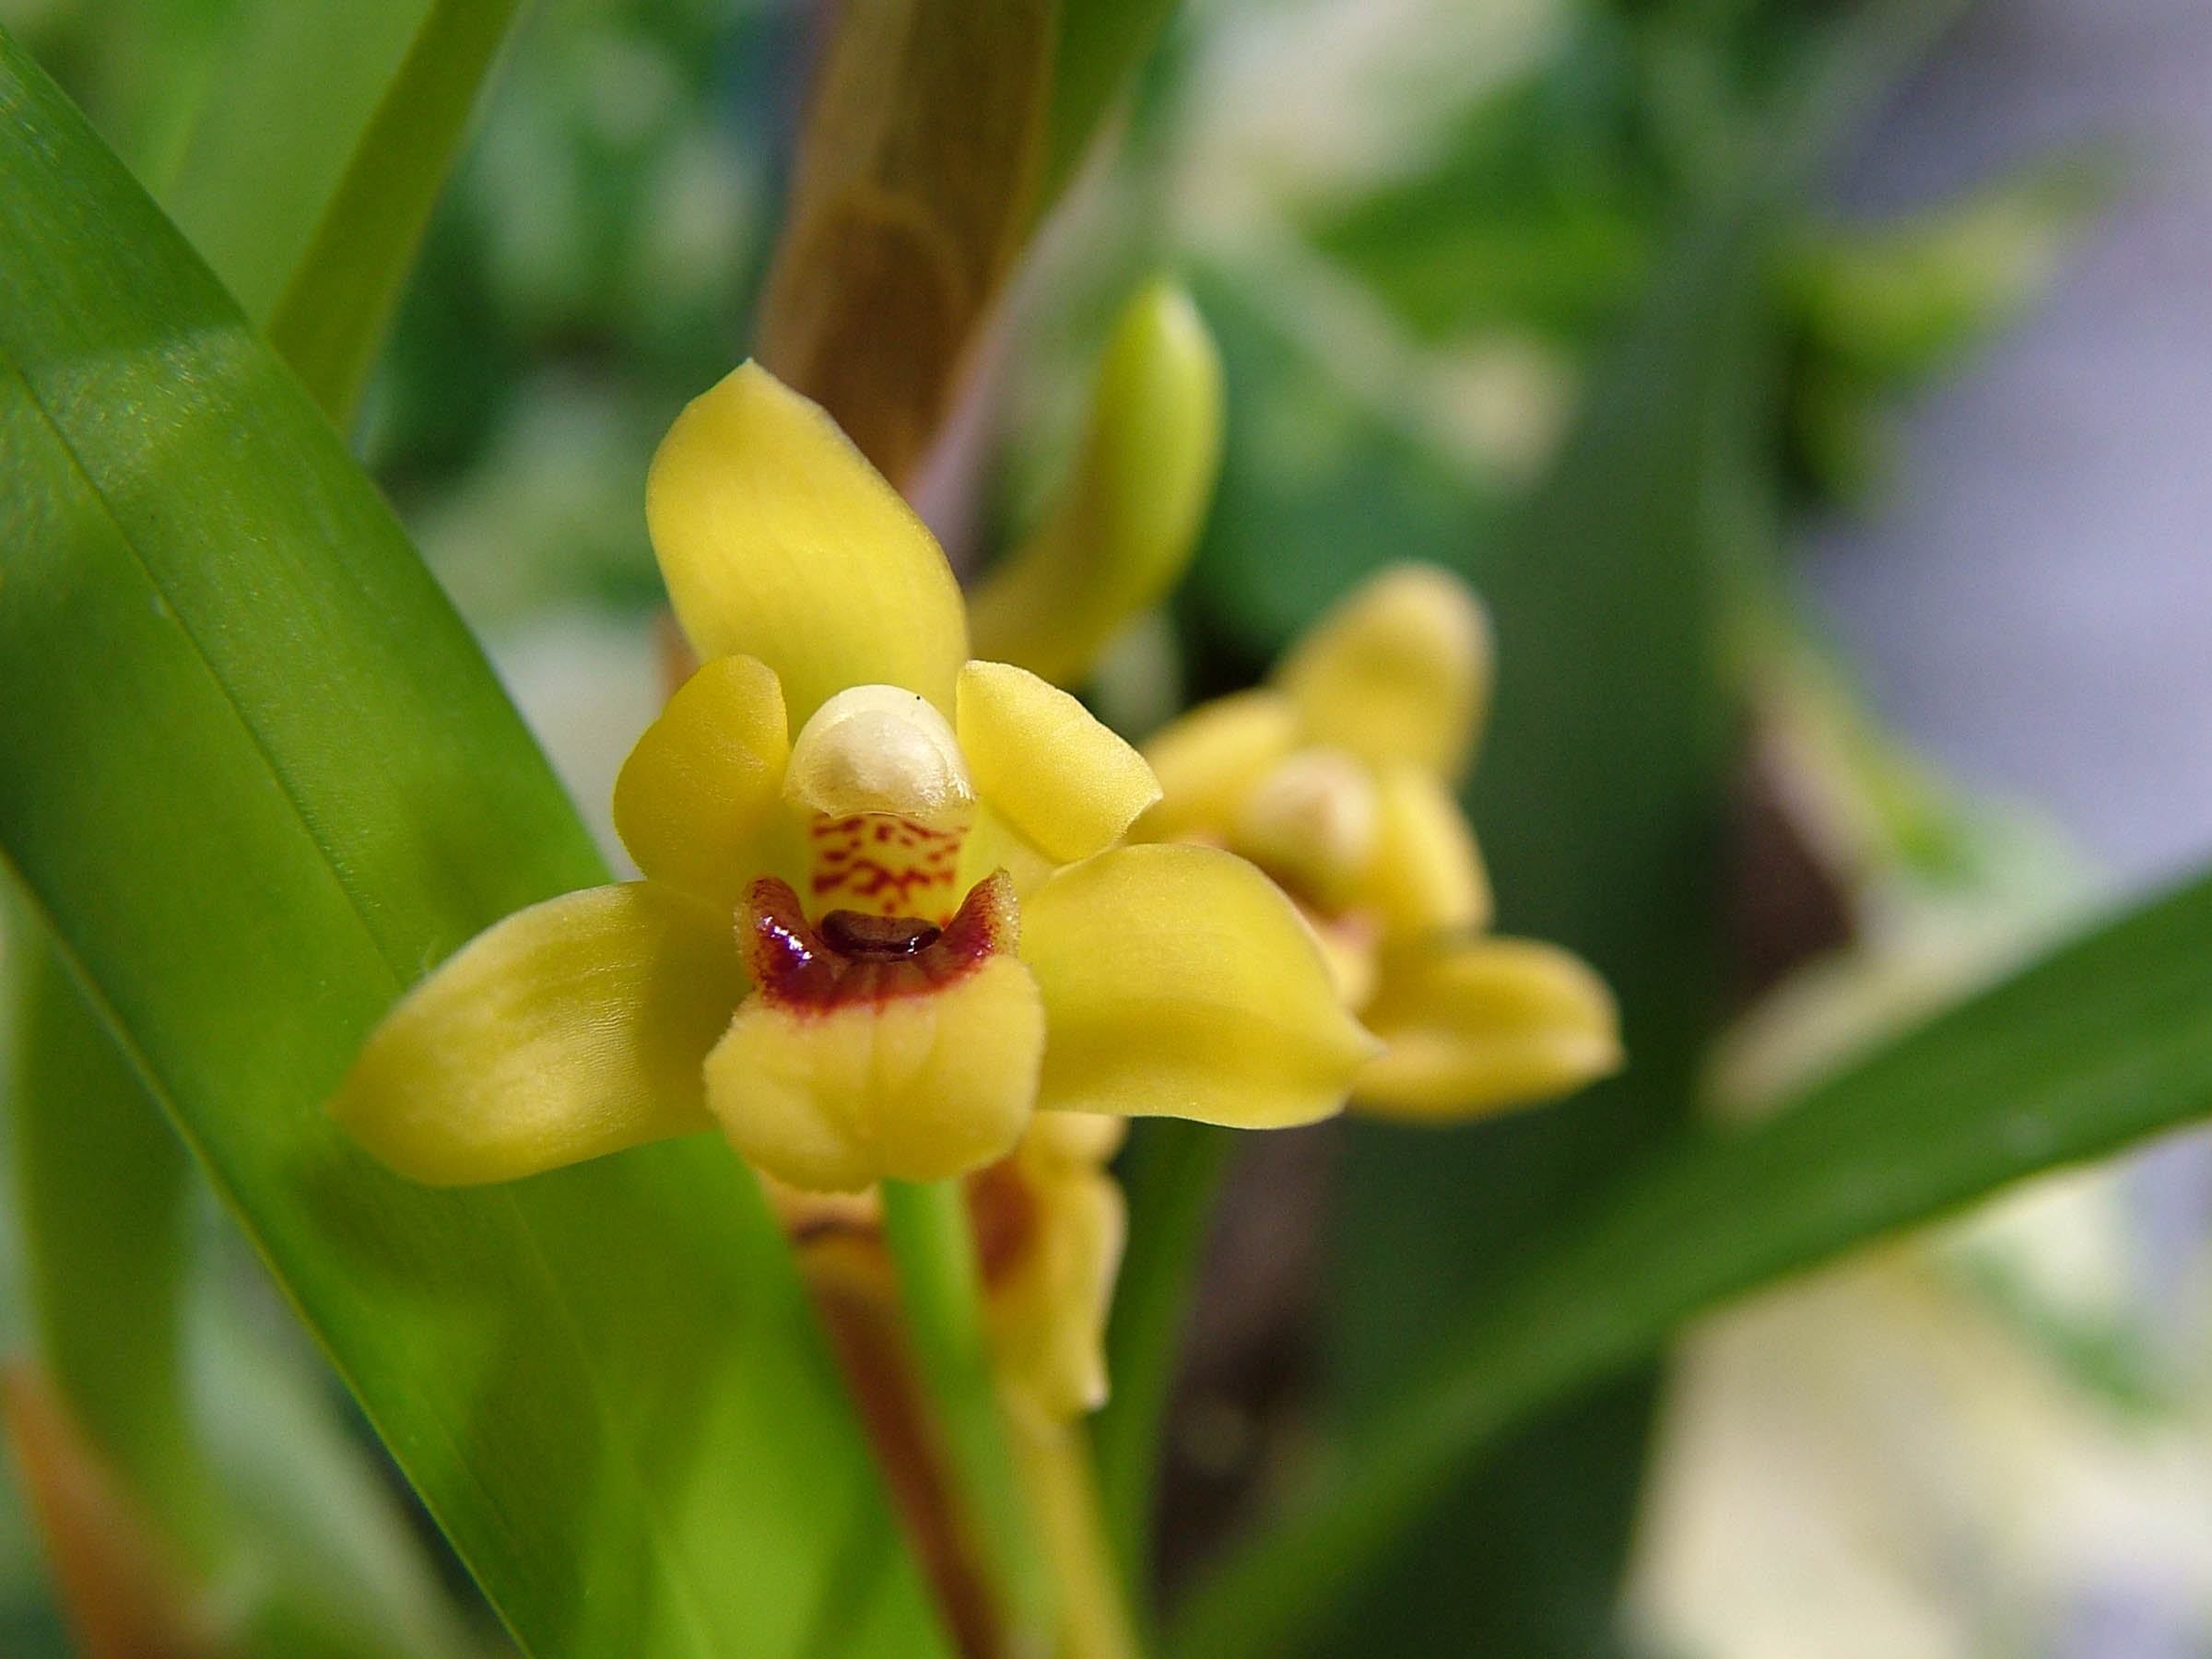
x,y
1171,1173
1055,1466
933,1249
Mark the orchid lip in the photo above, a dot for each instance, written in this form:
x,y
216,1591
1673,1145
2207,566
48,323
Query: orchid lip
x,y
851,956
862,936
884,862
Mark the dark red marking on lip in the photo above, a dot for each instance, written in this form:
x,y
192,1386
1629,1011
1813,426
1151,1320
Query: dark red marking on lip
x,y
860,936
864,878
854,957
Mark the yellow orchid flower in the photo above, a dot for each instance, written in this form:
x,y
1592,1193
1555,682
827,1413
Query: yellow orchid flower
x,y
884,916
1337,779
1049,1225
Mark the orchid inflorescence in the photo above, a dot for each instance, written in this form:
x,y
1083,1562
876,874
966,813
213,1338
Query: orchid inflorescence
x,y
905,915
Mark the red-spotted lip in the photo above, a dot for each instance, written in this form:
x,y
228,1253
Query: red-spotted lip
x,y
869,856
852,958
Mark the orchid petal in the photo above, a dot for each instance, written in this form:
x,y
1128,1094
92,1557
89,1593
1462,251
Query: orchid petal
x,y
1397,672
778,540
1178,981
915,1086
1478,1026
699,801
1058,777
1426,875
571,1030
1211,759
1048,1308
995,844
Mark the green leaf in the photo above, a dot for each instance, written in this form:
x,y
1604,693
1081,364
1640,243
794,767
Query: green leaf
x,y
331,316
323,137
255,776
272,1502
103,1178
100,1184
1101,46
1172,1173
324,1563
2104,1042
141,68
292,88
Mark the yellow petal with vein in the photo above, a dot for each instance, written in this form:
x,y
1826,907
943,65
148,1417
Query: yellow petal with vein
x,y
1063,781
778,540
1427,874
1211,759
1398,671
571,1030
699,801
915,1088
1178,981
1312,824
1478,1026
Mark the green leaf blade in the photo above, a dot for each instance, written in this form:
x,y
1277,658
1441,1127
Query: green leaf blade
x,y
290,88
331,317
256,776
100,1183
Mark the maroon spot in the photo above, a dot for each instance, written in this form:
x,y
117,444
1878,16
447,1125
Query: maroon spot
x,y
852,958
1002,1207
858,935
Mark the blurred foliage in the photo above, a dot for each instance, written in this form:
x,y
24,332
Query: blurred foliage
x,y
590,268
1539,290
551,1364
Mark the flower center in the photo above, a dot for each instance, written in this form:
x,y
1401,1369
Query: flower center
x,y
1312,824
885,788
857,934
876,863
857,957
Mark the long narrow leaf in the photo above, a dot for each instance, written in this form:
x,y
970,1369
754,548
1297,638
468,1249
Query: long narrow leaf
x,y
292,89
332,314
1100,47
1600,800
101,1185
256,776
2106,1041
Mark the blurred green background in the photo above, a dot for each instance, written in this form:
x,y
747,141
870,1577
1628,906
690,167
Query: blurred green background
x,y
1558,293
